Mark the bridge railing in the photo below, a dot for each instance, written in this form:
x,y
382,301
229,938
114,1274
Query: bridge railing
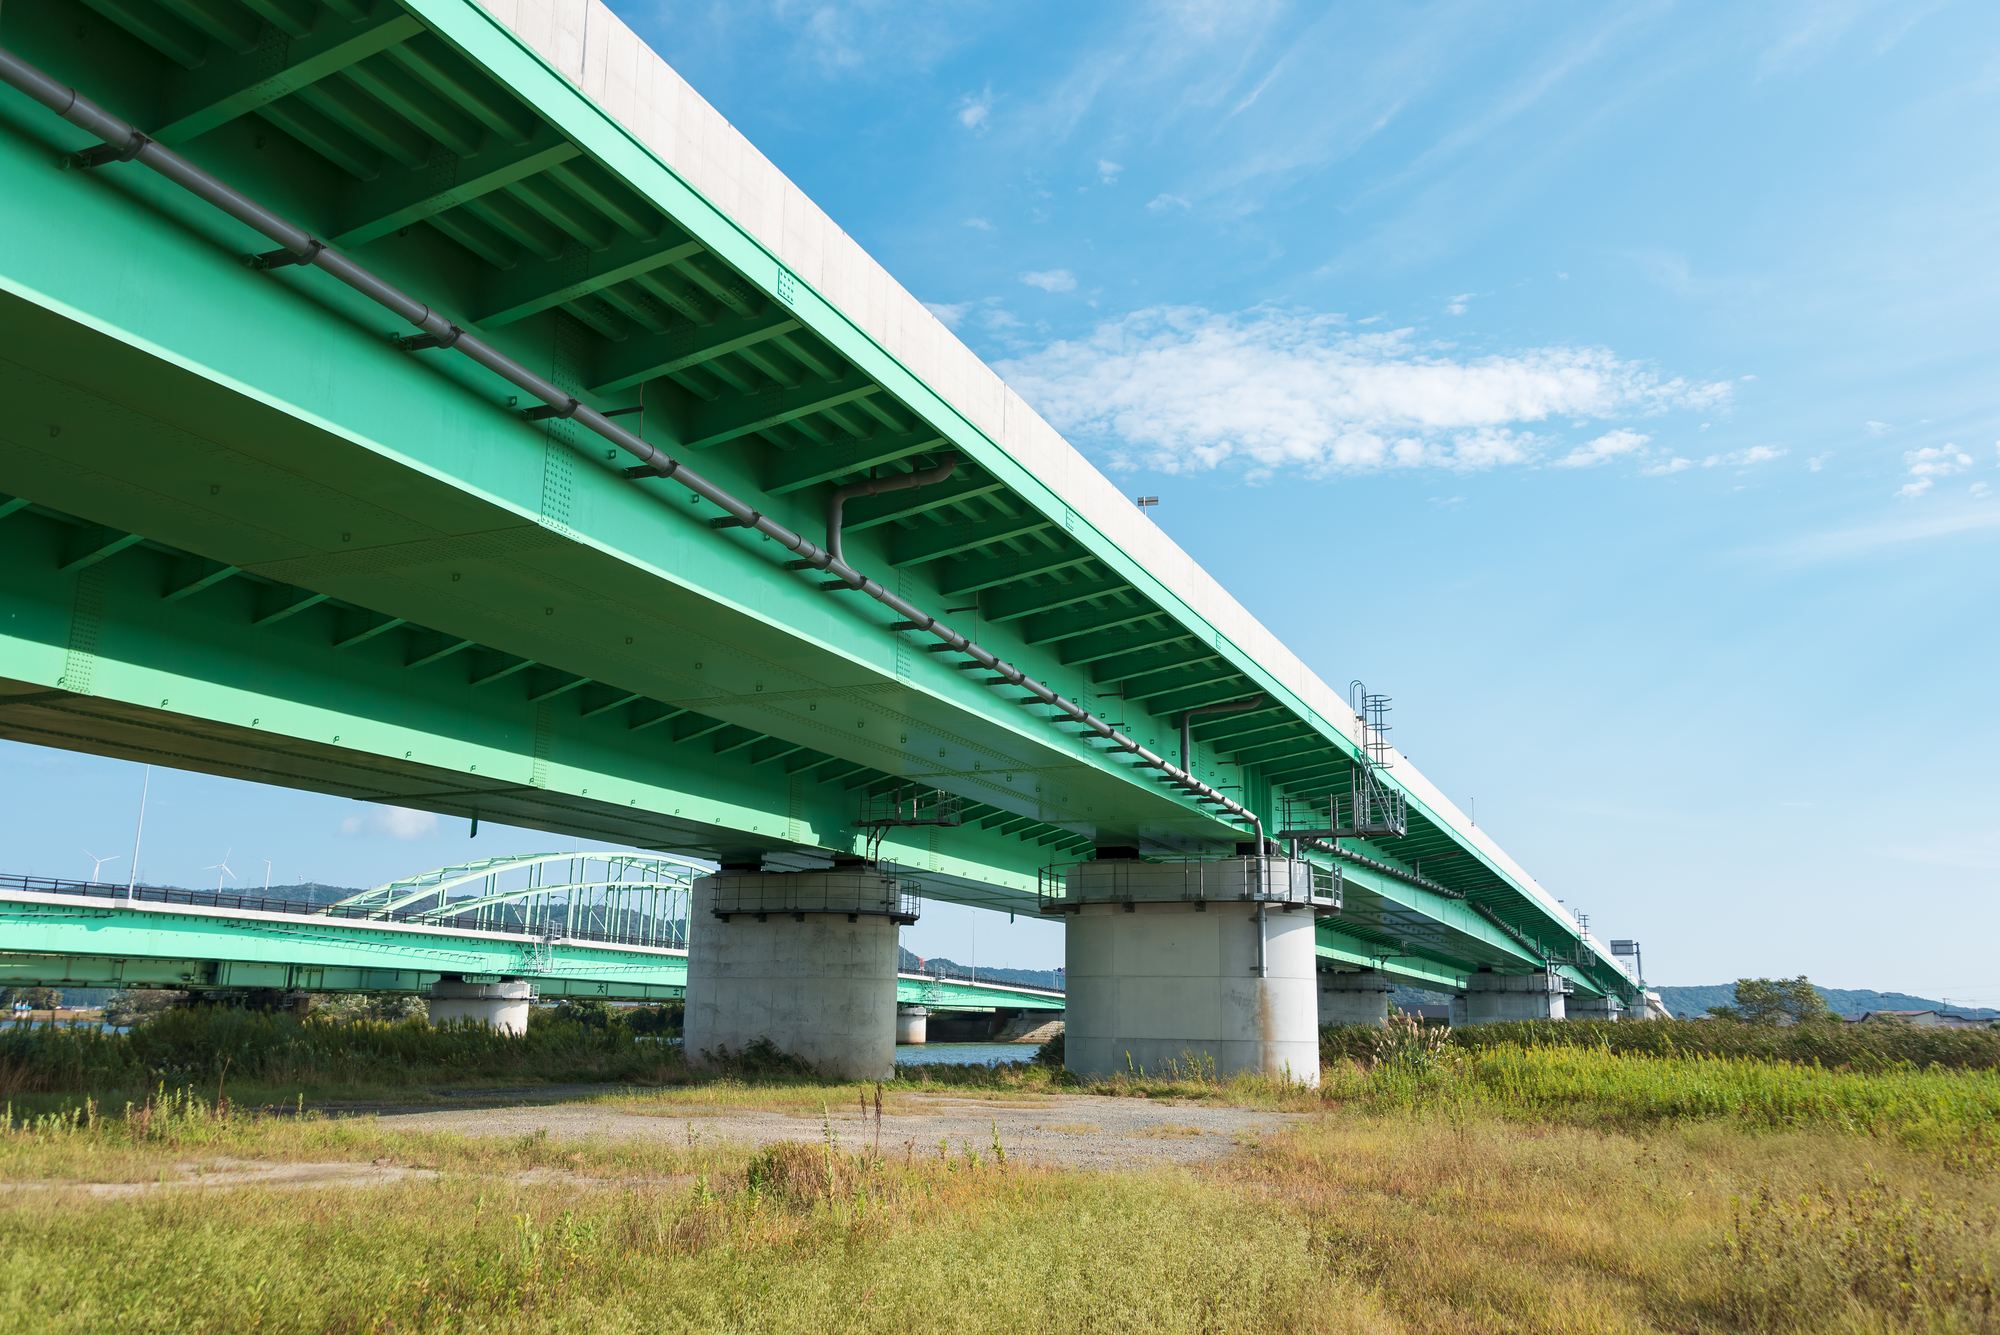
x,y
943,975
217,899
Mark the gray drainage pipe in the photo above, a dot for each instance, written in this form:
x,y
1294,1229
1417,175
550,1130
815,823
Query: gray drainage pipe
x,y
1187,725
875,486
124,142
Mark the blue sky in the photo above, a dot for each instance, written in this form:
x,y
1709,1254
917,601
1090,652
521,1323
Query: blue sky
x,y
1612,385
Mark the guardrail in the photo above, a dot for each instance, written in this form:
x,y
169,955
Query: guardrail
x,y
216,899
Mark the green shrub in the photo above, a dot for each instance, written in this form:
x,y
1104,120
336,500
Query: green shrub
x,y
200,1043
1843,1047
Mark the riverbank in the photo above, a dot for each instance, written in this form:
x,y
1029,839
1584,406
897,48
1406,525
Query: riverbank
x,y
1506,1188
1335,1220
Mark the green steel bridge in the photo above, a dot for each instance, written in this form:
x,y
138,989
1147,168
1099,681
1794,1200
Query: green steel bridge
x,y
612,926
441,405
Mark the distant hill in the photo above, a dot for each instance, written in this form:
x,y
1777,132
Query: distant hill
x,y
1690,1002
911,963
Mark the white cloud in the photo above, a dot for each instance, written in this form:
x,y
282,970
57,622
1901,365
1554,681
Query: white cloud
x,y
394,822
1817,462
975,110
1876,428
1457,305
1673,465
1161,203
1107,172
1051,280
1929,464
1980,490
978,224
1606,448
1756,454
1184,389
950,314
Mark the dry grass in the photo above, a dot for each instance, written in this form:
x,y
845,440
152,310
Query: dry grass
x,y
1567,1194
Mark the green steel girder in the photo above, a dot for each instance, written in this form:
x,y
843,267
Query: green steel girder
x,y
865,512
932,541
964,994
1025,600
398,199
810,467
625,365
529,289
229,84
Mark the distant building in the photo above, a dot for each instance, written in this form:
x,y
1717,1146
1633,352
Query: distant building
x,y
1922,1019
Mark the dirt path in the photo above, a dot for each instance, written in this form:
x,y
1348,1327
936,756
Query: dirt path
x,y
1071,1130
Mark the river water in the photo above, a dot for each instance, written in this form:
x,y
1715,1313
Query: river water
x,y
963,1054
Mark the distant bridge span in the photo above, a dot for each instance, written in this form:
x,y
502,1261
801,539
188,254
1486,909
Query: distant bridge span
x,y
588,935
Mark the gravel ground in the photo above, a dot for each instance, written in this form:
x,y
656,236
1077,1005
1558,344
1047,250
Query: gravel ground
x,y
1071,1130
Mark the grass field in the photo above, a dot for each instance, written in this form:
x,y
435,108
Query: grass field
x,y
1433,1186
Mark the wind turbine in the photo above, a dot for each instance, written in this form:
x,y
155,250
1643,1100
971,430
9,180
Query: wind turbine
x,y
222,869
267,874
99,863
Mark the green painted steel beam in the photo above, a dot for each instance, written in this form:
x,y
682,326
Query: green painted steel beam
x,y
228,84
529,289
397,199
624,365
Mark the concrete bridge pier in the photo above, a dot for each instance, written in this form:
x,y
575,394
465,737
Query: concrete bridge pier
x,y
1175,960
1492,997
806,959
1586,1007
501,1007
912,1025
1354,998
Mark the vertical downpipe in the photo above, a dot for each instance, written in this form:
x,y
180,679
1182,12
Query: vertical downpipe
x,y
1266,1022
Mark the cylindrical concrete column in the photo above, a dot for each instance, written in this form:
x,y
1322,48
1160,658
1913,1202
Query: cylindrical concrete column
x,y
912,1024
1171,960
804,959
1491,997
502,1006
1354,998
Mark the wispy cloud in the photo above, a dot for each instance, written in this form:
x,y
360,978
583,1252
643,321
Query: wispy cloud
x,y
1161,203
1756,454
1051,280
951,314
1107,171
1184,389
978,224
975,110
1929,464
1607,447
392,822
1867,539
